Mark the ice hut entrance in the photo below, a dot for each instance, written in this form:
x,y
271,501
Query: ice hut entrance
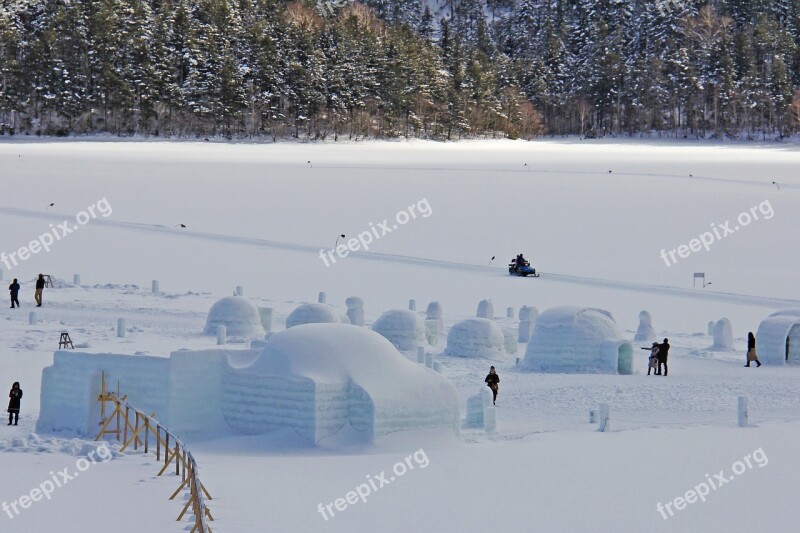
x,y
793,346
625,358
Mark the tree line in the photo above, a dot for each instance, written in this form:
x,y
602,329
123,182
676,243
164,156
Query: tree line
x,y
330,69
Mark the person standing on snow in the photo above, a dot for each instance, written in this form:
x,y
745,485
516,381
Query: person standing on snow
x,y
14,290
663,353
751,350
39,288
652,362
13,403
493,380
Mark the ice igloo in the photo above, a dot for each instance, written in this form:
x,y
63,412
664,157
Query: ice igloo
x,y
723,336
578,340
318,379
475,337
404,329
645,331
312,314
239,315
778,338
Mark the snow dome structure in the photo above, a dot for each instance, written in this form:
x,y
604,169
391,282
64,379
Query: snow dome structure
x,y
778,338
320,379
475,337
404,329
578,340
239,315
312,314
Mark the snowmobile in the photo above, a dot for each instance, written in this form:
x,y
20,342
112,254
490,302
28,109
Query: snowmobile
x,y
523,270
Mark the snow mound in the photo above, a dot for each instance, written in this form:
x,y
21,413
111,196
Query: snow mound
x,y
319,379
312,314
33,443
239,315
578,340
723,336
778,338
475,337
404,329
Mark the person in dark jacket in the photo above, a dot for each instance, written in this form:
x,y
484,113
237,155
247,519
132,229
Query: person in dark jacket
x,y
14,290
663,353
39,288
13,403
751,350
493,380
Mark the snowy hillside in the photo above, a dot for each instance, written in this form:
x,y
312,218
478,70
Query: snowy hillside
x,y
421,221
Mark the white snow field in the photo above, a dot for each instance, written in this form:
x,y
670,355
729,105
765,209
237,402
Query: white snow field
x,y
592,216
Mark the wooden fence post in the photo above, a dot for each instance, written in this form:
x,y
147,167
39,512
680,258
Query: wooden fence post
x,y
125,437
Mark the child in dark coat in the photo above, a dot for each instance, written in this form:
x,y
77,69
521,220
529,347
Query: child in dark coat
x,y
13,290
493,380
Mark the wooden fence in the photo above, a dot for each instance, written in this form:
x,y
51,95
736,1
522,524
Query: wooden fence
x,y
134,428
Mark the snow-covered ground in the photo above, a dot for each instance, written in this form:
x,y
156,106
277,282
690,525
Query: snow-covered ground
x,y
593,217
